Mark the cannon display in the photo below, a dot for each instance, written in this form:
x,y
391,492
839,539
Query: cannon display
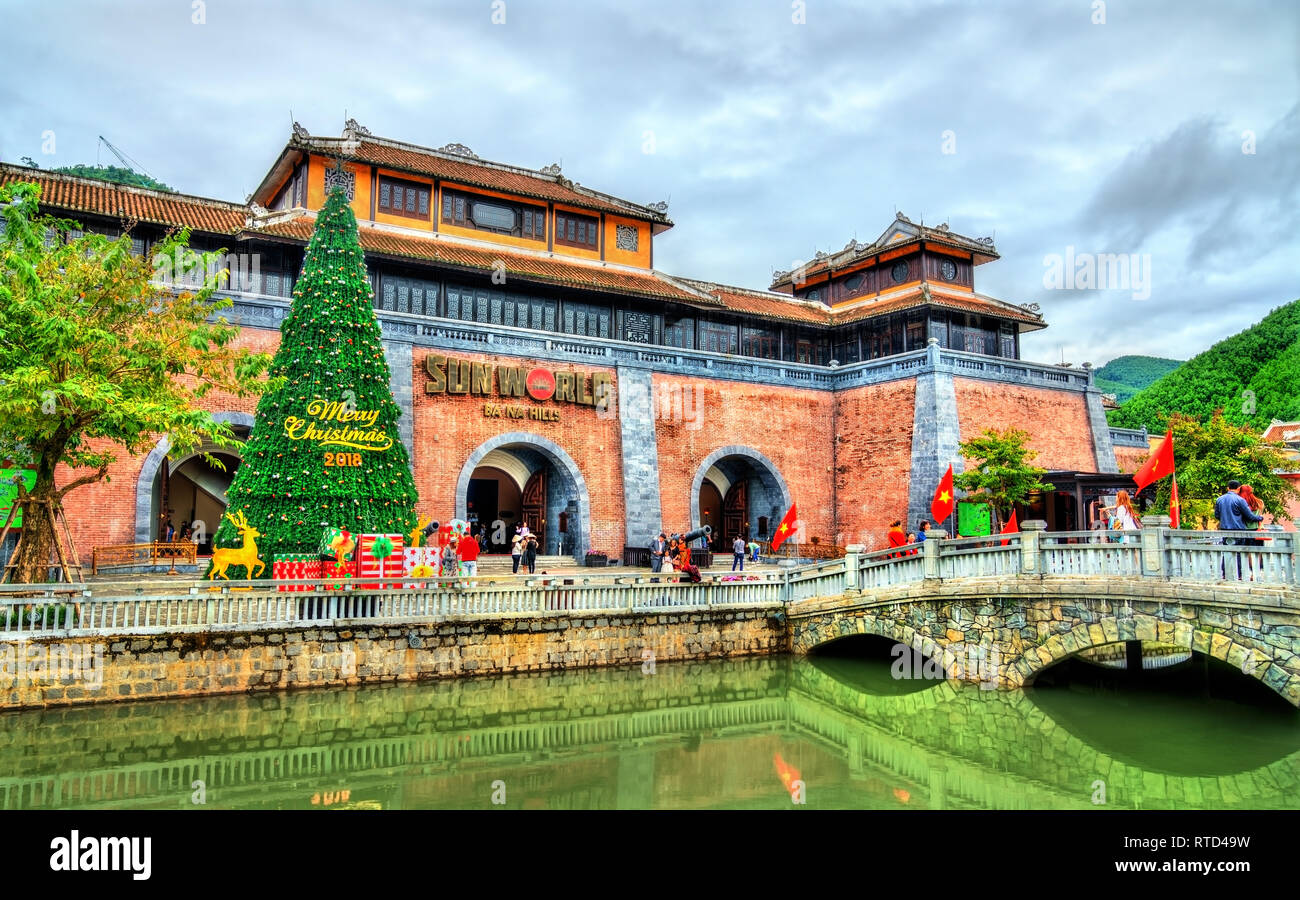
x,y
702,532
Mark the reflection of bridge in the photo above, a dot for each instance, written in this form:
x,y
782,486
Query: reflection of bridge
x,y
1001,611
950,745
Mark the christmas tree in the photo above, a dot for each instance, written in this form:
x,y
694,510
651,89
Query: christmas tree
x,y
324,449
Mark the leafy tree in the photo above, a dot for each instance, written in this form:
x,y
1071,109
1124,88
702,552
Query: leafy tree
x,y
1001,475
98,358
117,175
1209,455
1252,377
324,450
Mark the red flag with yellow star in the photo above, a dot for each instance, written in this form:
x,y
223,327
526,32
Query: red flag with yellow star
x,y
1175,508
941,505
785,529
1160,465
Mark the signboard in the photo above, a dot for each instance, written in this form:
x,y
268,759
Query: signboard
x,y
9,492
448,375
334,424
973,519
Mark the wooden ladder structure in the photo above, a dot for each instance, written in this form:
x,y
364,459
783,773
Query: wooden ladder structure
x,y
60,519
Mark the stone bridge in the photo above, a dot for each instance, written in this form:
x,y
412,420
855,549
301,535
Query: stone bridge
x,y
1000,613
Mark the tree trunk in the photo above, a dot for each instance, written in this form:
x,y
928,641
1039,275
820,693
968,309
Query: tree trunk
x,y
37,549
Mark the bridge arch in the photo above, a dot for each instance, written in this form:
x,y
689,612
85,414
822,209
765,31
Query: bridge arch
x,y
1005,624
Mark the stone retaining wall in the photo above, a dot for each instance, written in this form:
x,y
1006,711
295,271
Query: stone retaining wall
x,y
187,665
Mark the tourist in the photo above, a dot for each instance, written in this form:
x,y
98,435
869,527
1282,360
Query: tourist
x,y
450,565
921,529
1233,512
911,539
467,551
753,549
1256,506
169,532
1123,515
896,536
530,551
516,550
185,532
738,553
658,547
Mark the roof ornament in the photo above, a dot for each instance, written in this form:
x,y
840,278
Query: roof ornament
x,y
985,240
458,150
1032,307
852,245
660,207
258,209
780,275
300,133
552,169
820,255
353,130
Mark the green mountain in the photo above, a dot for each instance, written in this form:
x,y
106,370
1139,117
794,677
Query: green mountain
x,y
1254,377
1124,376
115,174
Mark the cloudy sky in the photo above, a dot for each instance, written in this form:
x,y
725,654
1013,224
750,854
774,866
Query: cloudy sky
x,y
1169,130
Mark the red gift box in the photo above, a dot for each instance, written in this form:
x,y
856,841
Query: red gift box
x,y
295,566
368,565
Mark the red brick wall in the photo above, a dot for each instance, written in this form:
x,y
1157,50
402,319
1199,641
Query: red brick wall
x,y
789,426
873,474
1130,459
103,513
1057,421
449,427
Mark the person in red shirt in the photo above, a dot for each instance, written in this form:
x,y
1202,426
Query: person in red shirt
x,y
467,550
896,536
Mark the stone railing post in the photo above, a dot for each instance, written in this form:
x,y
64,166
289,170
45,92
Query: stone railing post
x,y
1155,531
1029,534
930,553
851,556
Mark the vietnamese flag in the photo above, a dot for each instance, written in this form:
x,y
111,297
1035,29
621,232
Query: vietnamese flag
x,y
785,529
1010,528
1159,465
941,505
1175,510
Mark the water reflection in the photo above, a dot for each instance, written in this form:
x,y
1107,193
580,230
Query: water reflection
x,y
719,734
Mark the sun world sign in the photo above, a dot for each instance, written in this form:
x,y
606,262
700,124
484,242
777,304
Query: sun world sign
x,y
448,375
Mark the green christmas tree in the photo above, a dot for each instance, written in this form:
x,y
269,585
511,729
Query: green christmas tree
x,y
324,449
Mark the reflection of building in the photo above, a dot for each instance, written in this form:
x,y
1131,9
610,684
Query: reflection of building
x,y
548,372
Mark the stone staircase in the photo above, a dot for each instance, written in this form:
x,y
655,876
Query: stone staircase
x,y
501,565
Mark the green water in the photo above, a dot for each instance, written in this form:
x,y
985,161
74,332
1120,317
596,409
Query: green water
x,y
720,734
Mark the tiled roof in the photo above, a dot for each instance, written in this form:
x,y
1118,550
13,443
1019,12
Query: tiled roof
x,y
923,294
593,276
767,304
1282,431
854,251
472,171
88,195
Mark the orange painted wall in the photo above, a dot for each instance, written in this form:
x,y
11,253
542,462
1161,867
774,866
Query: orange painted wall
x,y
475,234
641,257
316,186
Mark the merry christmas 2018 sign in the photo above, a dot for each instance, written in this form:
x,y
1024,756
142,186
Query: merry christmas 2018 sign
x,y
335,424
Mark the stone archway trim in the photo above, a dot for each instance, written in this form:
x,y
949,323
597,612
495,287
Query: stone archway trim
x,y
149,471
549,449
722,453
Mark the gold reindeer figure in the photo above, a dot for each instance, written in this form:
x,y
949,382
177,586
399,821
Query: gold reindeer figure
x,y
420,522
246,555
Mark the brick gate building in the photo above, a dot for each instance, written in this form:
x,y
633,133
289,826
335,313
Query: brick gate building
x,y
548,372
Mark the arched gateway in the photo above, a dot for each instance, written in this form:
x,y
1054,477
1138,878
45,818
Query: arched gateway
x,y
738,490
199,488
525,477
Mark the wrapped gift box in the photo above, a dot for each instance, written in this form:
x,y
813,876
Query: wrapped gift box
x,y
415,557
292,566
337,576
368,566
